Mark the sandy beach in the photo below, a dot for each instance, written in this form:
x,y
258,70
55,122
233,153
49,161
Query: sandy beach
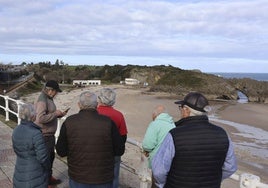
x,y
246,124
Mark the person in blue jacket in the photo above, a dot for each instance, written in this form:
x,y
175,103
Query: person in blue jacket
x,y
32,159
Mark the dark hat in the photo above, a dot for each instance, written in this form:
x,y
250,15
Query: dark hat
x,y
195,101
54,85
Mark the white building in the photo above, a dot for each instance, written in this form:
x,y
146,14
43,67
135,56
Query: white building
x,y
86,82
131,81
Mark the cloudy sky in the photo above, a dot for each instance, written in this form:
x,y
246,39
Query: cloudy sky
x,y
210,35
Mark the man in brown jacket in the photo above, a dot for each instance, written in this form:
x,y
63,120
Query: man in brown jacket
x,y
46,118
90,141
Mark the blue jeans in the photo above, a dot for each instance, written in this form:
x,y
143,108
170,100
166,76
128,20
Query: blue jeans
x,y
74,184
117,161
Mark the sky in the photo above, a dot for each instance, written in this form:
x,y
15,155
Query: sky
x,y
209,35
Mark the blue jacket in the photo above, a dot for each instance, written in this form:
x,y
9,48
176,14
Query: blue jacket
x,y
32,159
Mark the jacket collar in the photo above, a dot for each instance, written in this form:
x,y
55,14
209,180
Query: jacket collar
x,y
29,123
191,119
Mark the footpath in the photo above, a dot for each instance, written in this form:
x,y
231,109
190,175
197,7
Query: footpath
x,y
8,159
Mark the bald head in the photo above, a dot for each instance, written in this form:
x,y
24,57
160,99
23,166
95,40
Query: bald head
x,y
158,110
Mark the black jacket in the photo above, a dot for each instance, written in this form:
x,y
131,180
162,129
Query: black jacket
x,y
200,151
90,141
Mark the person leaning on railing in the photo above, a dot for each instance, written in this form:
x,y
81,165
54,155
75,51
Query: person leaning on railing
x,y
161,124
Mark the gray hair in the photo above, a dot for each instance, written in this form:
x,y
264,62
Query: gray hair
x,y
194,112
107,96
88,100
27,112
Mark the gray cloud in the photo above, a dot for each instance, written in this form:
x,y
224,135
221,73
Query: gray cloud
x,y
143,28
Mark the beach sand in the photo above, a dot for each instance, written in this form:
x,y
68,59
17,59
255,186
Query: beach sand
x,y
137,104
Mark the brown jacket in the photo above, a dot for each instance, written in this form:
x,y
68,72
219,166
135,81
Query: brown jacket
x,y
46,117
90,141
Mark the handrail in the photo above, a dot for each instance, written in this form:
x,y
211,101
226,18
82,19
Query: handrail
x,y
246,180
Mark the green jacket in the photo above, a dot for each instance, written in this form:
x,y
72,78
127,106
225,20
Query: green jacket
x,y
155,134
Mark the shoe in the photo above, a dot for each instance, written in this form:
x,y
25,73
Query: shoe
x,y
54,181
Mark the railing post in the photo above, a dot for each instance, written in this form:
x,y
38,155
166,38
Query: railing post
x,y
143,171
19,103
249,181
59,124
6,108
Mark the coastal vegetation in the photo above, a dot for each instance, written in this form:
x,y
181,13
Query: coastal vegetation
x,y
157,78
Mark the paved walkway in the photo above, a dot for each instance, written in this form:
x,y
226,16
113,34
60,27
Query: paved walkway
x,y
8,159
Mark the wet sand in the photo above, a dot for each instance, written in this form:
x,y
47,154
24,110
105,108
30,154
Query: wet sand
x,y
137,106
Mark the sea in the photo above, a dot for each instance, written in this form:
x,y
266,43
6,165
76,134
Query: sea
x,y
255,76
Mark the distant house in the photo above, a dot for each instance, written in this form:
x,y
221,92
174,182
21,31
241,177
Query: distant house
x,y
86,82
131,81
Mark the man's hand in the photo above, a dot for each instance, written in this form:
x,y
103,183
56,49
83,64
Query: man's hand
x,y
60,113
146,153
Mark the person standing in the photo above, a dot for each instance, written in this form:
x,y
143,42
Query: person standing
x,y
46,117
90,141
196,153
157,130
31,168
106,100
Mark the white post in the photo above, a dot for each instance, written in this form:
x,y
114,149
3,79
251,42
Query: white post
x,y
19,103
143,172
249,181
6,108
59,124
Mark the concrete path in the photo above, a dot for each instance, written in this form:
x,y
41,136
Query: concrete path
x,y
8,159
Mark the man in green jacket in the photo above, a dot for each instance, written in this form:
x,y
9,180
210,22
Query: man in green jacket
x,y
157,130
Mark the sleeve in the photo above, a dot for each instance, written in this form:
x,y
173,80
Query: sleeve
x,y
62,142
230,165
162,161
122,126
124,138
118,144
150,138
41,150
42,114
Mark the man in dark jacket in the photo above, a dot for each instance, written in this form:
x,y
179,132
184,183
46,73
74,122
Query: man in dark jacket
x,y
90,141
196,153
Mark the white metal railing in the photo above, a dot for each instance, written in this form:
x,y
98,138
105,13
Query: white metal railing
x,y
246,180
7,108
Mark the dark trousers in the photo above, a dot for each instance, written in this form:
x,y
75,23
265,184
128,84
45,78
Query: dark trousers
x,y
50,143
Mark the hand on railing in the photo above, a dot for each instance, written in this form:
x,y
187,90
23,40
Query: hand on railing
x,y
146,153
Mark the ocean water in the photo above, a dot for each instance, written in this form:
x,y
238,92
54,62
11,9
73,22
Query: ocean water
x,y
255,76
